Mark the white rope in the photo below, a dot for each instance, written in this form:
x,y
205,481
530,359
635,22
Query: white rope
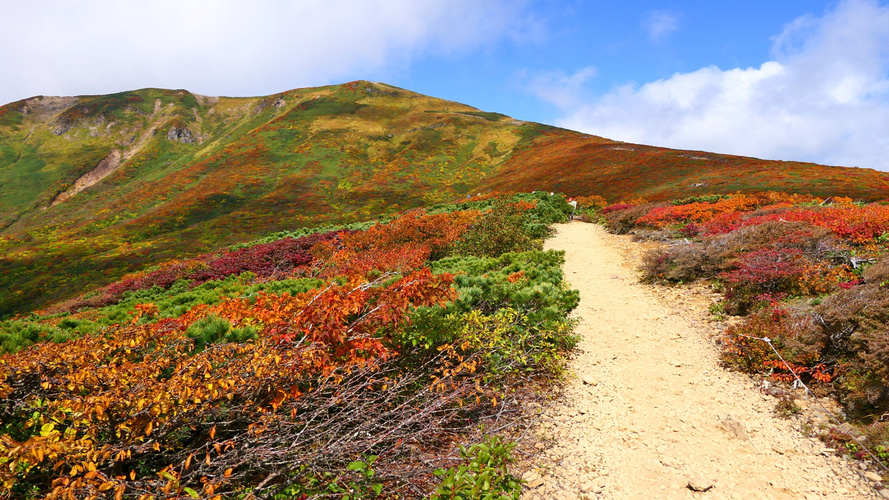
x,y
836,420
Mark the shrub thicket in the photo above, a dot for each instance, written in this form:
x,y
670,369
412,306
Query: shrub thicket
x,y
351,377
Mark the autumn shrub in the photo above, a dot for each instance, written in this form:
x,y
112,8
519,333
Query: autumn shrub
x,y
621,219
593,202
264,260
766,260
792,332
697,211
843,345
436,231
852,223
252,384
878,273
764,272
226,419
856,321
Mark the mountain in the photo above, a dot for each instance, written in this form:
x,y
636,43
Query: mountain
x,y
93,187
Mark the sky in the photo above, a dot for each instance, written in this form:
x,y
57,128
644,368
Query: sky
x,y
802,80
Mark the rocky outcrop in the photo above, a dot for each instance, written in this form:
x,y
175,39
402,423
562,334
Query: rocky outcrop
x,y
180,134
105,167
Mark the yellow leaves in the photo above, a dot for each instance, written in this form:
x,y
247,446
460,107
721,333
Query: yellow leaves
x,y
118,493
207,459
149,428
213,432
228,472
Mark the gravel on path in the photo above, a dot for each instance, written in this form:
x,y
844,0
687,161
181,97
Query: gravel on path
x,y
649,413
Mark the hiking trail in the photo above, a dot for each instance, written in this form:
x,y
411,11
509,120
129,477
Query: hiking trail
x,y
649,413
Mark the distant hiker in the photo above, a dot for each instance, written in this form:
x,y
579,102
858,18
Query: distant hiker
x,y
573,203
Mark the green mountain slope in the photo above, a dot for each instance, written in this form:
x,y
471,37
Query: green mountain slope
x,y
93,187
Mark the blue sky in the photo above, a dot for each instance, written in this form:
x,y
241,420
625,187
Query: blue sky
x,y
789,80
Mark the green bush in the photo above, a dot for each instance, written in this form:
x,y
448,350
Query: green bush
x,y
215,330
484,476
530,282
497,232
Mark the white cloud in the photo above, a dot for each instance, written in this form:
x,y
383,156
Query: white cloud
x,y
559,88
56,47
824,98
659,24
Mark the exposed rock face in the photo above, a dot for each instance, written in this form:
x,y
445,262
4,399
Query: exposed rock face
x,y
182,135
105,167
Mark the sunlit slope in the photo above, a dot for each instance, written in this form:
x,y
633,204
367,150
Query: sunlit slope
x,y
92,187
578,164
193,173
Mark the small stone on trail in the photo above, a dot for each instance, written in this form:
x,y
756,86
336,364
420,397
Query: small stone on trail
x,y
699,484
533,479
535,483
588,380
733,426
873,476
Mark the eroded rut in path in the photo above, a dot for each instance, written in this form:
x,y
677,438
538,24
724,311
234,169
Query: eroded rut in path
x,y
651,411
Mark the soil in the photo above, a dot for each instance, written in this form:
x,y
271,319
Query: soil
x,y
649,413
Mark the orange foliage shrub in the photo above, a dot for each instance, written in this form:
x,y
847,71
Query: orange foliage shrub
x,y
119,407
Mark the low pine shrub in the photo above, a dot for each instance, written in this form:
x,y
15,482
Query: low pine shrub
x,y
499,231
214,330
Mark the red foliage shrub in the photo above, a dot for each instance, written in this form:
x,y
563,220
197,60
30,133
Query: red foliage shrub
x,y
623,218
616,207
264,260
793,334
437,231
851,223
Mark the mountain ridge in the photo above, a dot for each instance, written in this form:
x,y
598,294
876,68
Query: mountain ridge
x,y
197,173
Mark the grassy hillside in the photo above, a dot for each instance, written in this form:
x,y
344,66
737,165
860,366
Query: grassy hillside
x,y
583,165
94,187
246,167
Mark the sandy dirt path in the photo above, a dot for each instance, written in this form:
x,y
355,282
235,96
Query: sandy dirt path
x,y
649,408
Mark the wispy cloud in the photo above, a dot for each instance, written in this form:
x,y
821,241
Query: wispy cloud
x,y
824,98
659,24
557,87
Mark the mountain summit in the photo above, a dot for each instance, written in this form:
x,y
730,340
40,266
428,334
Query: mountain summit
x,y
92,187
